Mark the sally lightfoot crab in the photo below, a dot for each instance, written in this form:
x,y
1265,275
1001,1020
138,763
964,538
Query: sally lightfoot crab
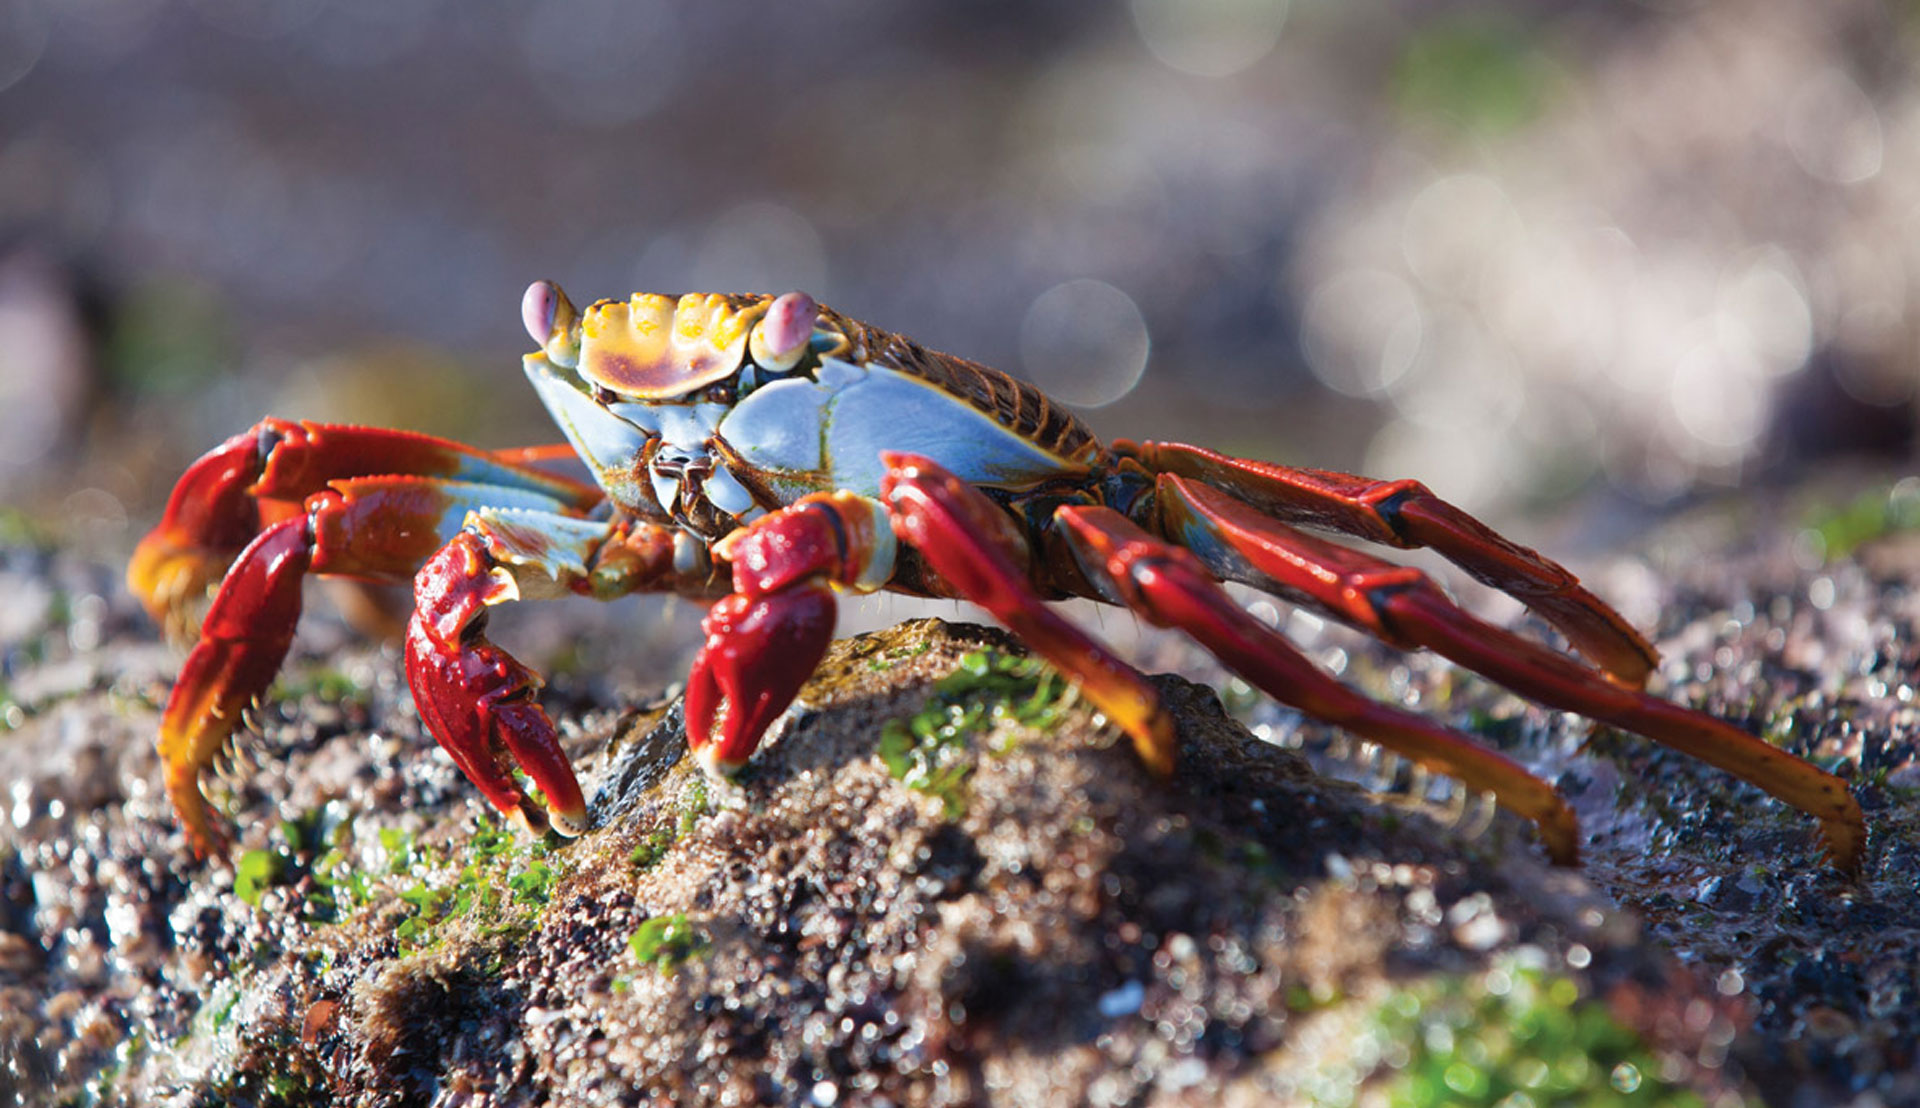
x,y
766,453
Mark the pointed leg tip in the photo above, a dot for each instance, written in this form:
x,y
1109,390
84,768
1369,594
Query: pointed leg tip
x,y
716,767
206,835
1559,831
209,842
1845,843
205,832
1155,742
569,823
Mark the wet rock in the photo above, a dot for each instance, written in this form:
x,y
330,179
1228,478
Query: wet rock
x,y
1009,911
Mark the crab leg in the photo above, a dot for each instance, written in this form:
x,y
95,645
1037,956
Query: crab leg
x,y
1171,588
1405,514
1404,607
376,529
478,700
765,639
971,543
263,476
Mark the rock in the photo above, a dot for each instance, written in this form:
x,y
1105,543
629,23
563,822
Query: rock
x,y
996,904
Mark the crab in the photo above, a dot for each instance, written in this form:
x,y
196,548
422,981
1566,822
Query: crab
x,y
766,453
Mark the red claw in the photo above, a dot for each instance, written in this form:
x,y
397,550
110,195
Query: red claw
x,y
759,651
765,639
478,700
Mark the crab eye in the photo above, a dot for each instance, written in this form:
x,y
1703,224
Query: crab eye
x,y
783,334
537,309
722,393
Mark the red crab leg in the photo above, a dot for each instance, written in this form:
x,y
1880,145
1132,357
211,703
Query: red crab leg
x,y
1404,607
263,474
1405,514
1171,588
376,529
478,700
971,543
765,639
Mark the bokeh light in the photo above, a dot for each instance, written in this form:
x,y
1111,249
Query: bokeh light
x,y
1210,38
1084,342
1434,241
23,36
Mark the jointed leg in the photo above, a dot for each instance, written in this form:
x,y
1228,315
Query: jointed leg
x,y
1170,588
765,639
969,542
478,700
264,475
375,529
1404,607
1405,514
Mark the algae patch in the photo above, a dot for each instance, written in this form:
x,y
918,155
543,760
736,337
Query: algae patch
x,y
664,942
928,751
1514,1037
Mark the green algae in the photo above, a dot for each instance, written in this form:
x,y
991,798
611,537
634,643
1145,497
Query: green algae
x,y
1513,1037
929,751
1867,517
664,942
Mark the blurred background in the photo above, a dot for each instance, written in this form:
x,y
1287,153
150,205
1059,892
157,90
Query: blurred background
x,y
1531,252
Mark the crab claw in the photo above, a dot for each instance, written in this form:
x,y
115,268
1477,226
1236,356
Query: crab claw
x,y
479,703
478,700
759,651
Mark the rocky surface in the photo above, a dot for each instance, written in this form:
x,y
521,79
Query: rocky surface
x,y
944,882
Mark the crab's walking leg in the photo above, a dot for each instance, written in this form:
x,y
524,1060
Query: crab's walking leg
x,y
1402,606
971,543
376,529
1171,588
1405,514
263,476
478,700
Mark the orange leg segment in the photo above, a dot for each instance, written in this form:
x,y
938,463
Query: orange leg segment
x,y
1405,608
1405,514
1170,588
243,640
250,623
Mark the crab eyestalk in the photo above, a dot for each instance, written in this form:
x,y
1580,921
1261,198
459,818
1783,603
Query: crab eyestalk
x,y
552,321
784,333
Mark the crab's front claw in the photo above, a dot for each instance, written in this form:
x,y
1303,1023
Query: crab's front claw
x,y
759,651
478,700
479,703
766,638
